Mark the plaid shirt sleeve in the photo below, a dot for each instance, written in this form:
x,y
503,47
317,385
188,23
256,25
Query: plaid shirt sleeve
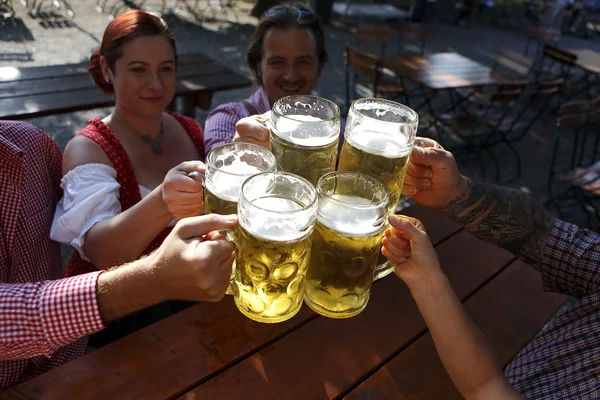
x,y
220,124
38,318
571,260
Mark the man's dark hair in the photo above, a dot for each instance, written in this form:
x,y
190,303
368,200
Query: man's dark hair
x,y
285,16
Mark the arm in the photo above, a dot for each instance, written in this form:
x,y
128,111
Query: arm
x,y
38,318
177,197
194,263
465,353
220,125
463,349
506,217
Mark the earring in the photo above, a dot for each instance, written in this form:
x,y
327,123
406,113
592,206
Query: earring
x,y
107,79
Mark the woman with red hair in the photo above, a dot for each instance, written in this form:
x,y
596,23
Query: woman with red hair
x,y
126,176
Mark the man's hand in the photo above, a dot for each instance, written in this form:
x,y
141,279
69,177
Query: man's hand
x,y
254,130
194,262
183,195
432,177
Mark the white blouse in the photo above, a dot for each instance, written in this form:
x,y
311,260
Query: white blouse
x,y
90,195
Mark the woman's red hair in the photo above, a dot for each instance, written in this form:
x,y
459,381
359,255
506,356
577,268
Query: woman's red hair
x,y
125,27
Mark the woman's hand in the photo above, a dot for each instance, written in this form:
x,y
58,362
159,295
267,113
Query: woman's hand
x,y
182,194
407,245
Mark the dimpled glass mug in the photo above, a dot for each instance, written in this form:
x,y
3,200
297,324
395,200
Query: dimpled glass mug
x,y
379,137
351,218
305,132
273,238
227,168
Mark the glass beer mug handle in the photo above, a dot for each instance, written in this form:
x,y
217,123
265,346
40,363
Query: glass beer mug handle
x,y
197,176
230,237
383,270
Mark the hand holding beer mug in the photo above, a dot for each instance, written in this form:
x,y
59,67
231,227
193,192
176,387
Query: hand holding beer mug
x,y
273,238
227,168
351,219
305,132
379,137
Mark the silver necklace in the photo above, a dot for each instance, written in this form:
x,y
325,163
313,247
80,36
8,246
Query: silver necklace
x,y
154,143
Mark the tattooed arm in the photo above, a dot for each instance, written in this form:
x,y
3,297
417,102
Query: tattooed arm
x,y
506,217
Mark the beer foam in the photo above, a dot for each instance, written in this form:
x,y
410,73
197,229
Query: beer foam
x,y
344,214
274,224
225,183
296,130
380,143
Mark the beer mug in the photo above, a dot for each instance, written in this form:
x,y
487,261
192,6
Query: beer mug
x,y
227,168
305,132
273,238
351,219
379,137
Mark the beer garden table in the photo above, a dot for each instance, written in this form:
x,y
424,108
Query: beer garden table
x,y
438,72
211,351
40,91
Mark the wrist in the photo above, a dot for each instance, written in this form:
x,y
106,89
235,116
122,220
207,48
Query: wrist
x,y
128,288
163,209
427,283
457,194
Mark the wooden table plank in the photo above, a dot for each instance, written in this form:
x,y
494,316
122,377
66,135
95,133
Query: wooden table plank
x,y
587,59
441,70
509,322
324,358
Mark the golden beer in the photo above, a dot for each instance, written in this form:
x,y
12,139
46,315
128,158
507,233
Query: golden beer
x,y
346,245
305,132
310,158
271,263
222,189
382,156
227,168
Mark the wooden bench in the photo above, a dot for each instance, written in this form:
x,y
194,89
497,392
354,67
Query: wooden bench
x,y
40,91
211,351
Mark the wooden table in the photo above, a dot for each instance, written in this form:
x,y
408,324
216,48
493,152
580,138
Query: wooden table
x,y
48,90
588,60
211,351
441,71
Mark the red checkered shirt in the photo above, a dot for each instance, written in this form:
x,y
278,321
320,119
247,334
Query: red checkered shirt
x,y
42,322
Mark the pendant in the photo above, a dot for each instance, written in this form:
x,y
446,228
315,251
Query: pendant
x,y
157,148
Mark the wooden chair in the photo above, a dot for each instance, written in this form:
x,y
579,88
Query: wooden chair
x,y
364,75
556,62
469,133
369,33
542,36
412,31
518,123
577,171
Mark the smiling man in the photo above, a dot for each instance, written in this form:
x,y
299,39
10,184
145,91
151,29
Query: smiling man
x,y
286,55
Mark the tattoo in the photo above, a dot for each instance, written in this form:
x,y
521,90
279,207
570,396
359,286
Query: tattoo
x,y
506,217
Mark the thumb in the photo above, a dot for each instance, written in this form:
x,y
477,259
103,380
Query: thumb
x,y
192,227
192,166
254,127
405,225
